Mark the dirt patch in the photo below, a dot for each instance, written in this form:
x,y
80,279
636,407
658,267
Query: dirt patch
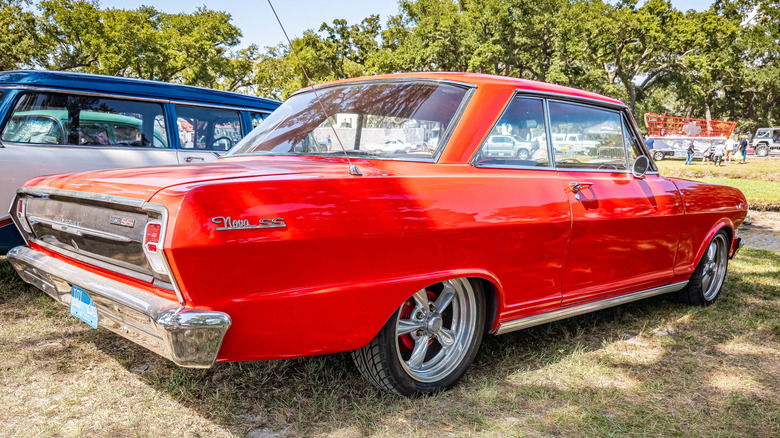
x,y
761,230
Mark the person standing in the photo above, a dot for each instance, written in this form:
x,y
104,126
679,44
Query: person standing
x,y
707,152
649,142
691,150
743,144
730,143
720,150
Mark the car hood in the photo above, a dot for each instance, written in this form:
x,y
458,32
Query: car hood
x,y
144,182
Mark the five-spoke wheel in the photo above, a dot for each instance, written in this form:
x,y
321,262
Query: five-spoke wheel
x,y
427,345
707,280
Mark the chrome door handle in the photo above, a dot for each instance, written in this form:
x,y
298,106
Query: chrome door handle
x,y
577,186
189,159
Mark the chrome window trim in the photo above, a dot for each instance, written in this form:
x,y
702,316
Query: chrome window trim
x,y
509,102
631,123
383,80
579,309
117,200
586,169
571,99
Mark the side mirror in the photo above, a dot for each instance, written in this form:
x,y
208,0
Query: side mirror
x,y
640,167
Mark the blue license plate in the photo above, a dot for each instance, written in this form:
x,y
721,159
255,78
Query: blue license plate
x,y
82,306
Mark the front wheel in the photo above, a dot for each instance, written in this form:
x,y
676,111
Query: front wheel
x,y
762,150
707,280
523,154
429,342
658,156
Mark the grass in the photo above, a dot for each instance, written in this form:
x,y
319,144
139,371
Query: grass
x,y
651,368
759,179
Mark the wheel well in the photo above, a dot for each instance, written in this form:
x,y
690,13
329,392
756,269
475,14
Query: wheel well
x,y
491,301
729,233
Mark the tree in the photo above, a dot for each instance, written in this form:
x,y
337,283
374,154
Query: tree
x,y
19,41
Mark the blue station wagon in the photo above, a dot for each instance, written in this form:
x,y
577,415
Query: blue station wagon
x,y
58,122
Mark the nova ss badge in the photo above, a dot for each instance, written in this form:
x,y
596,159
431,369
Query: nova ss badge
x,y
227,223
122,221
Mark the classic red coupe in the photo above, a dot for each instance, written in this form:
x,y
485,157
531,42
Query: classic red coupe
x,y
307,239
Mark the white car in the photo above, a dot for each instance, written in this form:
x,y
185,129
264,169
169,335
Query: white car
x,y
508,146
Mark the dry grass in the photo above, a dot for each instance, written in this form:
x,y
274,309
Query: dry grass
x,y
652,368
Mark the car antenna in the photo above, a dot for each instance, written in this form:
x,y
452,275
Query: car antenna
x,y
353,169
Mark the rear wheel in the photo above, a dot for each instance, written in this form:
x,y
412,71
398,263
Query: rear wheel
x,y
523,154
707,280
658,156
429,342
762,150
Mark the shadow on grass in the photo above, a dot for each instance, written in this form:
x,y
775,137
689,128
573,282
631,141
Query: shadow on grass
x,y
649,368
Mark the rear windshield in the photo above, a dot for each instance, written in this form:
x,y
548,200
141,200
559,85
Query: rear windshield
x,y
396,120
60,119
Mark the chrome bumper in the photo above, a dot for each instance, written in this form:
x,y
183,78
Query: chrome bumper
x,y
189,337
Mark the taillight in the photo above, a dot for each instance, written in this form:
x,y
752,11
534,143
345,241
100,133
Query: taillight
x,y
152,236
21,207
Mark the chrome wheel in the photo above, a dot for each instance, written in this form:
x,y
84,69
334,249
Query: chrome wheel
x,y
714,270
435,330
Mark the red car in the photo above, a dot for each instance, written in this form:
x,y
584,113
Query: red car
x,y
302,241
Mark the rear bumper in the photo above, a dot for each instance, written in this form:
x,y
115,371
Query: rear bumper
x,y
187,336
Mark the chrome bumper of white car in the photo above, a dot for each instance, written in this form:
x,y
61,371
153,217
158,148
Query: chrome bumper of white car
x,y
189,337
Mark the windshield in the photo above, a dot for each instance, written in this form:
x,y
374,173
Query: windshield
x,y
398,120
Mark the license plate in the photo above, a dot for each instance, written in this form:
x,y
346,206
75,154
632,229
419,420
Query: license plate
x,y
82,306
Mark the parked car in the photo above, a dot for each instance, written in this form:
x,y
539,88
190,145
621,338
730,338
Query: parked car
x,y
55,122
766,141
279,251
508,146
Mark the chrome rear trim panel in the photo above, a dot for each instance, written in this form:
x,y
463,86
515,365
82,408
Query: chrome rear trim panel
x,y
568,312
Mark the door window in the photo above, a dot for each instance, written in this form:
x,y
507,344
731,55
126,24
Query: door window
x,y
57,118
585,137
519,139
207,128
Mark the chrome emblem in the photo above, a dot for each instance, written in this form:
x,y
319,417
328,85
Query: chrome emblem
x,y
66,221
227,223
122,221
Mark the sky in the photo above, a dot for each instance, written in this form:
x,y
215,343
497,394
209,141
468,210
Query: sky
x,y
259,26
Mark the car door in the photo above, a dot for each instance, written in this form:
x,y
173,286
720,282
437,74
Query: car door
x,y
206,133
625,229
528,210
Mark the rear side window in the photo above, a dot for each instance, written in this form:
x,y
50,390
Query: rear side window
x,y
519,139
207,128
585,137
60,119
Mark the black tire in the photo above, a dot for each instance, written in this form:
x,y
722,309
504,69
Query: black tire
x,y
380,362
658,156
697,292
523,154
762,150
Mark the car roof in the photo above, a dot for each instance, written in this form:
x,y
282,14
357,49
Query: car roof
x,y
132,87
478,79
